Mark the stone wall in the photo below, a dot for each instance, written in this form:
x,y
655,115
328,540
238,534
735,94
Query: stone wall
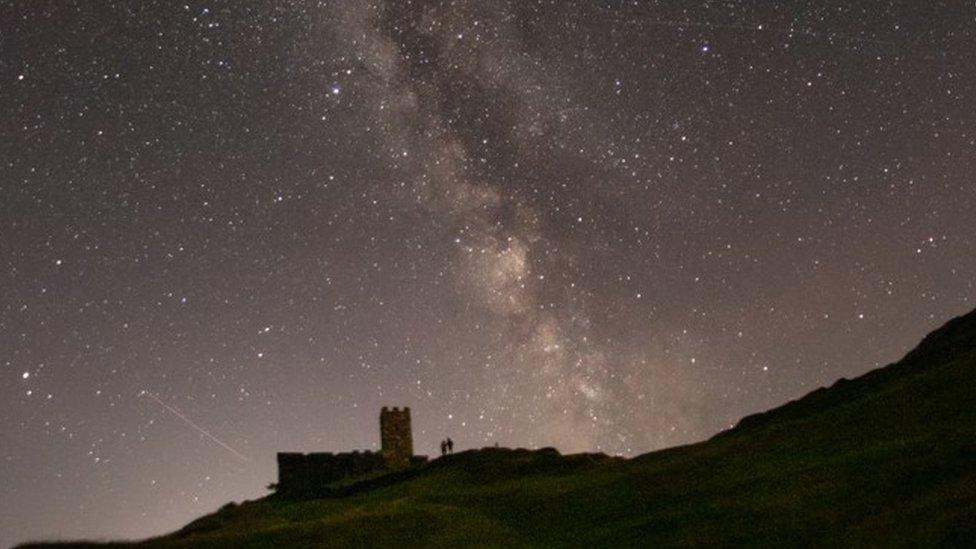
x,y
309,472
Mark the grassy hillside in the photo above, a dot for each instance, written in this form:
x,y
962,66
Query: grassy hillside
x,y
885,459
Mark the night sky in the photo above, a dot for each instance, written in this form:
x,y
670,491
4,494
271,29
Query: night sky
x,y
234,228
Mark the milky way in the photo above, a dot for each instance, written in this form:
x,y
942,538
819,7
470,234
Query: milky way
x,y
600,226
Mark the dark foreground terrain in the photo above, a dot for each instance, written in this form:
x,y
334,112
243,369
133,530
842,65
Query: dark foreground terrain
x,y
885,459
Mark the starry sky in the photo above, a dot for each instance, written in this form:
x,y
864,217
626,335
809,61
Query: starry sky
x,y
234,228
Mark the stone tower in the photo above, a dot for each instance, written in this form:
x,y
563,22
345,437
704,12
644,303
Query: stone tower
x,y
396,440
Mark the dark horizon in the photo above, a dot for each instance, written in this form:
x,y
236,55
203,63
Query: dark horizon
x,y
228,231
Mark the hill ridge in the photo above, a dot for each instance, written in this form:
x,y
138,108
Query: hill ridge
x,y
957,336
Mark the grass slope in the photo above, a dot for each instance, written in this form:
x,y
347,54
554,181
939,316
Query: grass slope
x,y
886,459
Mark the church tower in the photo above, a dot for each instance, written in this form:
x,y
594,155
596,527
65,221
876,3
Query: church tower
x,y
396,439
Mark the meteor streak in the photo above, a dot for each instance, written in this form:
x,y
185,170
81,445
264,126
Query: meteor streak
x,y
201,430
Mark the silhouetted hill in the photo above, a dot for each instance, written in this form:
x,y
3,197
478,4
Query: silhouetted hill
x,y
888,458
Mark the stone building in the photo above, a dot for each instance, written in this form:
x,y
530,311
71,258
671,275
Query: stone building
x,y
298,472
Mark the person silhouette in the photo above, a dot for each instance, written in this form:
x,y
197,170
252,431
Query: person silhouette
x,y
443,447
450,445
